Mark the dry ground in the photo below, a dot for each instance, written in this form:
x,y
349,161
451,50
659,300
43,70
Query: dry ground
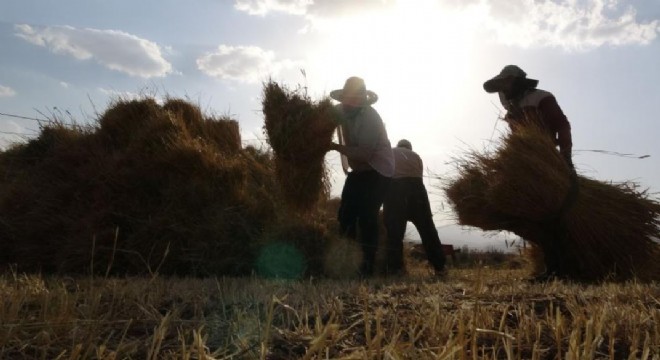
x,y
467,314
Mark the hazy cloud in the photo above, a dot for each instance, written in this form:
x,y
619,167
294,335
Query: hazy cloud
x,y
570,24
113,49
247,64
263,7
11,127
338,8
124,95
10,133
311,8
6,91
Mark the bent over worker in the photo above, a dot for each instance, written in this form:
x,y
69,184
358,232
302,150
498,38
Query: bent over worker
x,y
407,200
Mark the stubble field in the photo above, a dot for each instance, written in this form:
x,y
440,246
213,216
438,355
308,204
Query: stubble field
x,y
477,313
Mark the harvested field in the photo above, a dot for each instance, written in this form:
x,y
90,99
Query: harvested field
x,y
473,313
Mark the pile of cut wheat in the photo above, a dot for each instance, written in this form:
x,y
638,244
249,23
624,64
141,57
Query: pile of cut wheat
x,y
300,133
610,230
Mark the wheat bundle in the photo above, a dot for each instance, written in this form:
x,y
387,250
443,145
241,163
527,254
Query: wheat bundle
x,y
124,121
611,230
147,185
300,133
190,114
522,186
223,132
527,176
468,195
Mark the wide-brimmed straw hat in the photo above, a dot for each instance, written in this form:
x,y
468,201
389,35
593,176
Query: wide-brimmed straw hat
x,y
354,91
508,73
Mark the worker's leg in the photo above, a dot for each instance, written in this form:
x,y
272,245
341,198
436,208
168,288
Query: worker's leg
x,y
374,187
395,217
556,235
422,217
351,198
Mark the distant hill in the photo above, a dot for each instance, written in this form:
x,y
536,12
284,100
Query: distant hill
x,y
473,238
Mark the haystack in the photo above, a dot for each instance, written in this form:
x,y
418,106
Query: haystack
x,y
300,133
522,187
147,188
222,132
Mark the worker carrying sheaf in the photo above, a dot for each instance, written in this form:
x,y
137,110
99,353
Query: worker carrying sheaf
x,y
525,103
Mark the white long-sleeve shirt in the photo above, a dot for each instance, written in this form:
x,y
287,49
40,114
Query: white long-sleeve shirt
x,y
367,145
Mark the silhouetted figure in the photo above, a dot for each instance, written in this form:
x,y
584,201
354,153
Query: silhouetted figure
x,y
407,200
525,103
369,154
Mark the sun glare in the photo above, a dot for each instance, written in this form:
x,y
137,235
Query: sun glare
x,y
415,55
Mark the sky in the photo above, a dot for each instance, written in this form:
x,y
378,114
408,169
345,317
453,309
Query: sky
x,y
426,60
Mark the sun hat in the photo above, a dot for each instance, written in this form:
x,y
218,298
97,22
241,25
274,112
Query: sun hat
x,y
404,144
354,91
507,74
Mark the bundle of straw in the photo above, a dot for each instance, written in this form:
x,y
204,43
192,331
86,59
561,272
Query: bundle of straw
x,y
612,228
223,132
300,133
527,176
522,186
148,187
468,194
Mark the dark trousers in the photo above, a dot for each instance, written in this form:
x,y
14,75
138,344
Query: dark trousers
x,y
407,200
361,200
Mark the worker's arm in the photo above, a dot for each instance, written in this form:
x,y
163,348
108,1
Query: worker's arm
x,y
555,119
369,133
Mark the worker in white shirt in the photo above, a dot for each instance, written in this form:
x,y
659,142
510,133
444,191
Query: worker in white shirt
x,y
369,154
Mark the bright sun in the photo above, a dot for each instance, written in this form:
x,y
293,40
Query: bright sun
x,y
416,55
